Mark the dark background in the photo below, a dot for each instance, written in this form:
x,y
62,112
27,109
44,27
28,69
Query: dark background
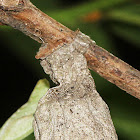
x,y
20,70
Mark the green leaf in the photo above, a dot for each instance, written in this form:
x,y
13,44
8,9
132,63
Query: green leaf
x,y
30,137
19,125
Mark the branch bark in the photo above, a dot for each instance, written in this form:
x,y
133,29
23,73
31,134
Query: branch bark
x,y
24,16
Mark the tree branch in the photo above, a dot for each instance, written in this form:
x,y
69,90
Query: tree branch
x,y
24,16
114,70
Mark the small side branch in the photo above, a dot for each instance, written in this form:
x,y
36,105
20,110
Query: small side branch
x,y
24,16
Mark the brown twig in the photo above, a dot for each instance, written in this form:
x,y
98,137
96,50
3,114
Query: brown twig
x,y
24,16
114,70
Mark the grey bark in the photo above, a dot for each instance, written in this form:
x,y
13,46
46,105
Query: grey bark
x,y
74,109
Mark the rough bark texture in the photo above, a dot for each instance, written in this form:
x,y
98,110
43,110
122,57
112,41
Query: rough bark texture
x,y
114,70
24,16
73,110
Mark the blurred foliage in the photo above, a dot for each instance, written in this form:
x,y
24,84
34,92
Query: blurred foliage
x,y
114,25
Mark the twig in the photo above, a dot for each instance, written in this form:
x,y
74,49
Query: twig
x,y
24,16
114,70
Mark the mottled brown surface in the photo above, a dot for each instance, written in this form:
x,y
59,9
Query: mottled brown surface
x,y
36,24
24,16
114,70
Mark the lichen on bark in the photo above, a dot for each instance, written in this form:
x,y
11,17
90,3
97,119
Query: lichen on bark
x,y
73,110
